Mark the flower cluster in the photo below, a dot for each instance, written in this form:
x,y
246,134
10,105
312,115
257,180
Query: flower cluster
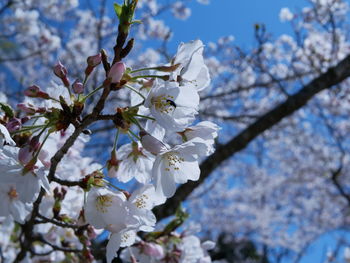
x,y
60,199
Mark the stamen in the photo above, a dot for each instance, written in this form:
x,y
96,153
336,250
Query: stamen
x,y
164,103
102,202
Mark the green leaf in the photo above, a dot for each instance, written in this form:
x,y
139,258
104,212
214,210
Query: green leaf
x,y
118,9
7,109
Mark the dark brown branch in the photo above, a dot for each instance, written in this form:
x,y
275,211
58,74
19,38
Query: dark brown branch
x,y
333,76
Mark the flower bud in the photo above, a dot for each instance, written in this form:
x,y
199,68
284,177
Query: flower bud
x,y
35,92
78,87
32,91
14,125
29,109
151,144
61,72
94,61
116,72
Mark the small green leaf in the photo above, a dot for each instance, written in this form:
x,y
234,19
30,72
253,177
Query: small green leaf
x,y
118,9
7,109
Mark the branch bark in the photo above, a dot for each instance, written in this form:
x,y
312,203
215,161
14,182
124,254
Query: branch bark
x,y
333,76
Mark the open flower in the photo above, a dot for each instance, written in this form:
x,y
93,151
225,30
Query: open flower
x,y
205,130
141,203
5,136
191,70
27,183
173,107
177,165
134,162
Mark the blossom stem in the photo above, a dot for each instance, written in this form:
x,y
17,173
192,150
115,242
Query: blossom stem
x,y
146,117
142,69
116,140
133,134
28,128
42,144
163,77
92,93
113,186
134,90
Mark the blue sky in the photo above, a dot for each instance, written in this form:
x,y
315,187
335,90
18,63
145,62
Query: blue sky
x,y
232,17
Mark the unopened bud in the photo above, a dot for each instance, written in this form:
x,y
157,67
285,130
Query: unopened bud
x,y
94,61
35,92
116,72
32,91
78,87
14,125
61,72
29,109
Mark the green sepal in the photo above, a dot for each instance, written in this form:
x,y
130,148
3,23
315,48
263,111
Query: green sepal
x,y
117,9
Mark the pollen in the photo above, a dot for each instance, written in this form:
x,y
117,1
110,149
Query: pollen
x,y
173,160
125,237
164,103
141,201
103,202
12,193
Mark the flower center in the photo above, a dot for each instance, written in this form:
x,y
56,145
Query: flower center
x,y
173,160
102,202
141,201
12,193
164,103
125,237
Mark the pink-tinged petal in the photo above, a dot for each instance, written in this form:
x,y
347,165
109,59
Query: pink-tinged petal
x,y
116,72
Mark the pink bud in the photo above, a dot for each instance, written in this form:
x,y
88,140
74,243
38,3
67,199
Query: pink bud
x,y
14,125
35,92
151,144
153,250
32,91
93,61
116,72
29,109
60,70
78,87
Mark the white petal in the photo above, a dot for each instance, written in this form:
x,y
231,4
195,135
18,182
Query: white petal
x,y
113,246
